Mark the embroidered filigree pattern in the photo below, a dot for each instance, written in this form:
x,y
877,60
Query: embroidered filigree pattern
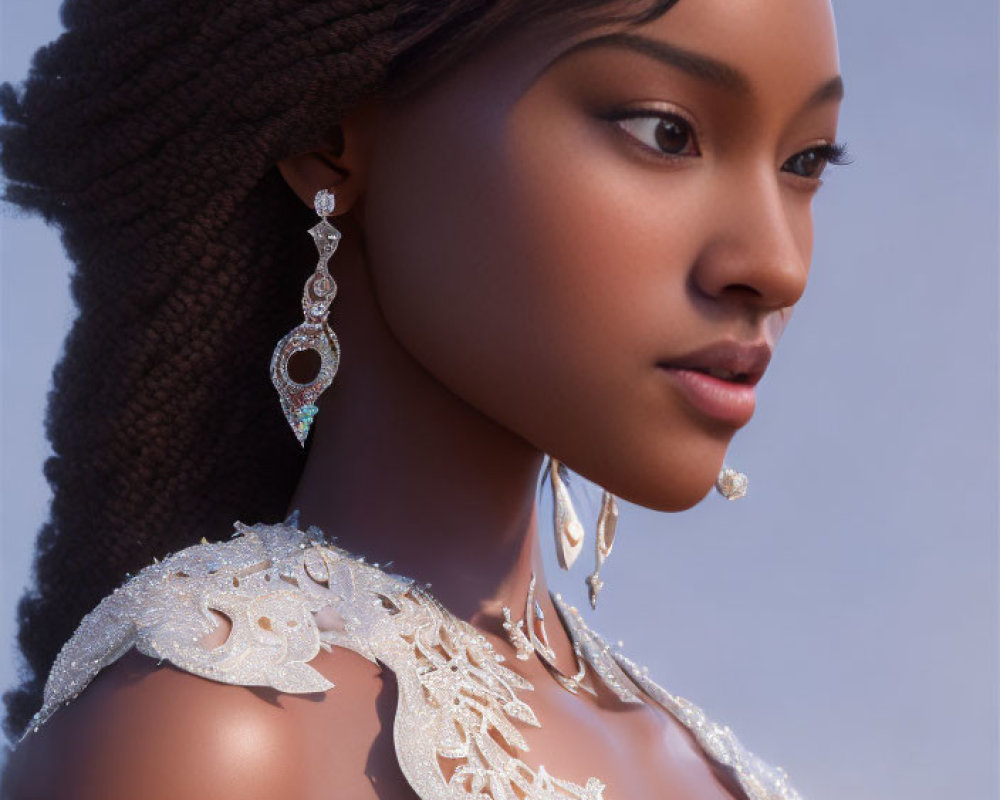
x,y
289,593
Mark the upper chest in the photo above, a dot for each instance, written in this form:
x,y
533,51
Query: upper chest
x,y
353,742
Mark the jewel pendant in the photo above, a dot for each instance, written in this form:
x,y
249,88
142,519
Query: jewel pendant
x,y
298,400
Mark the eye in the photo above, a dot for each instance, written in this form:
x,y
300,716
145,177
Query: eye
x,y
811,163
665,133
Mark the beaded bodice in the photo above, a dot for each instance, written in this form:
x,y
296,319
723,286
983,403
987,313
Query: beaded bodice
x,y
289,593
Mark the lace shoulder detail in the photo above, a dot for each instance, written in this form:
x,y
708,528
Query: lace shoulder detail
x,y
457,702
289,593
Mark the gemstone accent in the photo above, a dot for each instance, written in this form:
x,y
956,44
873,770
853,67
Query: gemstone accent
x,y
324,203
304,418
732,484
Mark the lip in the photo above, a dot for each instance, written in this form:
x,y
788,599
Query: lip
x,y
728,401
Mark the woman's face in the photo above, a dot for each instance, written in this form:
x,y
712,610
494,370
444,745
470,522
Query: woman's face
x,y
572,228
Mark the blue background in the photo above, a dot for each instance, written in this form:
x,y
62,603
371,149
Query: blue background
x,y
843,617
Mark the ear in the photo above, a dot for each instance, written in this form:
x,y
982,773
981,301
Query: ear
x,y
339,163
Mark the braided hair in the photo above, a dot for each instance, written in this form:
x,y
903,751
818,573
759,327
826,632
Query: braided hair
x,y
148,132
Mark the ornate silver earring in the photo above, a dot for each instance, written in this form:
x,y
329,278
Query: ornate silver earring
x,y
568,530
732,484
607,523
298,400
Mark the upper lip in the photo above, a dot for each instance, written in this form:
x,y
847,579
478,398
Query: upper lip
x,y
748,360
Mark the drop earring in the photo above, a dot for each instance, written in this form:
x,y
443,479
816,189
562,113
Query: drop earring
x,y
298,400
732,484
607,524
568,530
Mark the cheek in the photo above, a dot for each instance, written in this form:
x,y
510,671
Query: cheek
x,y
537,279
610,243
455,278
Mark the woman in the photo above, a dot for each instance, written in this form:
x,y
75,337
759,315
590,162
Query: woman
x,y
573,229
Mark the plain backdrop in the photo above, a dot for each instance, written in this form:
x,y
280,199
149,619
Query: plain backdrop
x,y
842,618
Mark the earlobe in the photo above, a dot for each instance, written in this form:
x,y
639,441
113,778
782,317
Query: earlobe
x,y
339,163
307,173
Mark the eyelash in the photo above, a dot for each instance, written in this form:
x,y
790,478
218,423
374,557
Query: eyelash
x,y
828,153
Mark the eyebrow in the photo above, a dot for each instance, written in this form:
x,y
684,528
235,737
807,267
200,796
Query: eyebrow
x,y
695,64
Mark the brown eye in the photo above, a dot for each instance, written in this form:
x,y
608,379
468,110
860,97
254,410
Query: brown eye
x,y
667,134
808,164
811,163
673,135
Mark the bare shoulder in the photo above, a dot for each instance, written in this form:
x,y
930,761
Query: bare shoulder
x,y
157,732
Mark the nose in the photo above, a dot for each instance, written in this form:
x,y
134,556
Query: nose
x,y
758,246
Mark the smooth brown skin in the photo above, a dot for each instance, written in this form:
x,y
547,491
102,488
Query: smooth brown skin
x,y
512,268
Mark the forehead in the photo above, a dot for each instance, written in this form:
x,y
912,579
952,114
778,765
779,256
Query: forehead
x,y
772,44
772,47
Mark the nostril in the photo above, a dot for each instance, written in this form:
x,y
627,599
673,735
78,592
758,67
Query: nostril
x,y
743,288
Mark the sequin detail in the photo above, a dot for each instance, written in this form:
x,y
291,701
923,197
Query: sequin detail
x,y
458,704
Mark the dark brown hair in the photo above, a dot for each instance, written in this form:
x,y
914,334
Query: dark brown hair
x,y
148,133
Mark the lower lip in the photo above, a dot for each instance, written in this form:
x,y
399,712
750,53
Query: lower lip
x,y
725,401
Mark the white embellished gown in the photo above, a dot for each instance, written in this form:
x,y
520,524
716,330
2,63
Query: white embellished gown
x,y
456,699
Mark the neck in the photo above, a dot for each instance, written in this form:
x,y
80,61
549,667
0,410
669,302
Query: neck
x,y
402,470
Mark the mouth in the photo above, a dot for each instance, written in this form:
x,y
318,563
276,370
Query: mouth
x,y
727,375
719,380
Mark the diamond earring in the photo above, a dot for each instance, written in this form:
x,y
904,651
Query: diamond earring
x,y
298,400
732,484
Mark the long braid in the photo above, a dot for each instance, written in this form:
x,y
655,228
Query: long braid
x,y
148,132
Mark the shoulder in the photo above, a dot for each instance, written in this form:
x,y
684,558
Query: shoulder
x,y
140,730
213,673
259,582
154,731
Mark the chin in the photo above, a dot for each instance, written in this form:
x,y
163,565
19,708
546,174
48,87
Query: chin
x,y
671,498
666,484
